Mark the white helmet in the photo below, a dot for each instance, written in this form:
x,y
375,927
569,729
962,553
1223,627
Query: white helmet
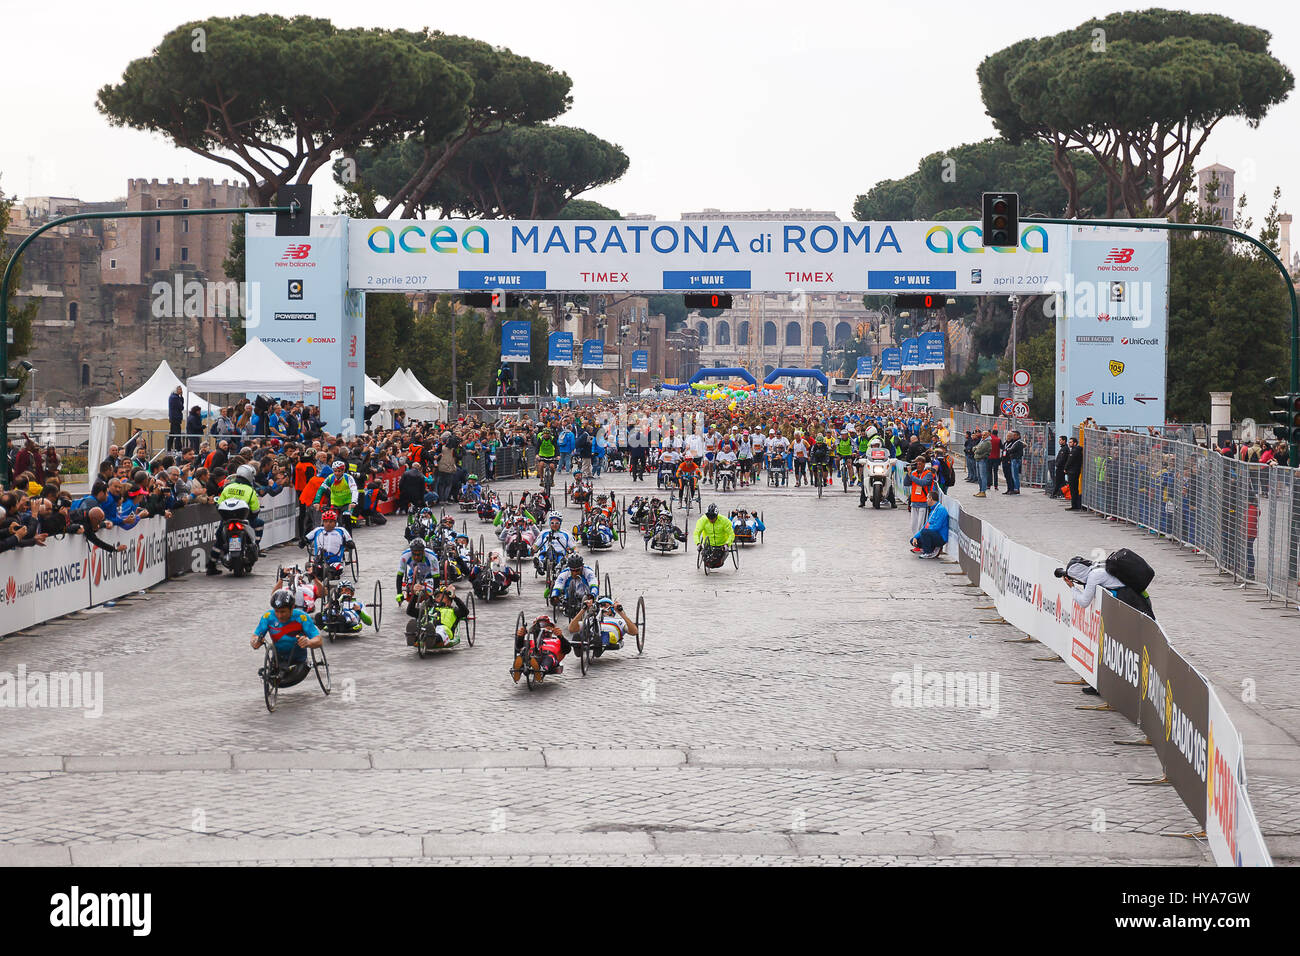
x,y
555,516
246,472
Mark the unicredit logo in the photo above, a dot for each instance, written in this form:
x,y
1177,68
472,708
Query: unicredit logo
x,y
1138,341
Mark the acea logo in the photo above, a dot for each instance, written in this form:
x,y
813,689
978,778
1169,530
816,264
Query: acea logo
x,y
940,239
439,239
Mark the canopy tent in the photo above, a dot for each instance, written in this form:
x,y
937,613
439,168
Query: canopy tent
x,y
578,387
376,394
145,408
418,402
255,368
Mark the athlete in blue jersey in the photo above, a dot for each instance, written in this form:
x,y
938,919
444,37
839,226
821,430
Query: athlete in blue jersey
x,y
292,632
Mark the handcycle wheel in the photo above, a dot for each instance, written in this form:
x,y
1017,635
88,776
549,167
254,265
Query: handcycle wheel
x,y
270,676
699,561
566,494
378,606
598,578
639,620
471,622
482,550
322,668
353,564
735,557
608,592
762,533
590,637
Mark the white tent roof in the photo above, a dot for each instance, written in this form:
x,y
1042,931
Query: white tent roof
x,y
579,387
419,402
376,394
148,402
254,368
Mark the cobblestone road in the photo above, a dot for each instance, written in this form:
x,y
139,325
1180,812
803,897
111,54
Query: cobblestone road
x,y
759,726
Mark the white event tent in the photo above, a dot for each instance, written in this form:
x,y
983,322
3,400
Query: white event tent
x,y
578,387
144,408
419,403
376,394
255,369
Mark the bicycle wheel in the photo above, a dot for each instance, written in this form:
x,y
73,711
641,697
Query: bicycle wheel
x,y
819,482
471,622
844,477
639,620
270,676
322,668
377,608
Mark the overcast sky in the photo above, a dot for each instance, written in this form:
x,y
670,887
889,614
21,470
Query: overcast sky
x,y
734,105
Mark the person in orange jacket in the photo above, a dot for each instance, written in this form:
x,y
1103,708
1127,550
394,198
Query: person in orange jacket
x,y
305,498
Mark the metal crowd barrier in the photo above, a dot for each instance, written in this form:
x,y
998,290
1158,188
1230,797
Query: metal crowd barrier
x,y
510,460
1040,453
1245,517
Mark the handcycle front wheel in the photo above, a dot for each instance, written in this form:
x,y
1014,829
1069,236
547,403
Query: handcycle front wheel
x,y
378,606
354,565
735,557
322,668
639,620
270,676
471,622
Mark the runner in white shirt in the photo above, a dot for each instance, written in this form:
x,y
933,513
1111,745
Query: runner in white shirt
x,y
711,443
800,449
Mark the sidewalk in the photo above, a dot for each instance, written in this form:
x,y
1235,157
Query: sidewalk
x,y
1245,646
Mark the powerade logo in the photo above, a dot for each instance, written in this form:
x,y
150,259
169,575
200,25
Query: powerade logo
x,y
940,239
440,239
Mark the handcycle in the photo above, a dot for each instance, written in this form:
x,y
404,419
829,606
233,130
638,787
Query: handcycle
x,y
777,474
707,556
427,620
591,641
330,619
483,574
578,492
662,537
725,477
575,592
276,674
745,534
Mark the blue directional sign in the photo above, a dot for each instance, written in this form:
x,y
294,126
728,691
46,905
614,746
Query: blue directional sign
x,y
641,360
480,279
864,366
898,280
516,341
593,353
559,349
911,354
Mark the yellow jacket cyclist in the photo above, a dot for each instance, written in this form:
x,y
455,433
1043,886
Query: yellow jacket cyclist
x,y
711,529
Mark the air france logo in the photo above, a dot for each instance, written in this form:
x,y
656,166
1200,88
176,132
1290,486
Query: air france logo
x,y
940,239
414,239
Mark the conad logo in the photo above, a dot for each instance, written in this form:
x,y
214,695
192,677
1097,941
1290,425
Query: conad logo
x,y
440,239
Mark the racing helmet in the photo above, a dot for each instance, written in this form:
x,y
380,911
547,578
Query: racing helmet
x,y
555,516
713,511
473,477
246,472
450,520
574,561
338,464
417,546
281,598
330,515
605,602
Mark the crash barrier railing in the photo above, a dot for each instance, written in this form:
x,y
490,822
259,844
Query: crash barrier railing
x,y
1039,451
1244,517
69,574
1131,662
509,462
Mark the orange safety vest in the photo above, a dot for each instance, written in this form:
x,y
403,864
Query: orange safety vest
x,y
920,492
302,473
309,493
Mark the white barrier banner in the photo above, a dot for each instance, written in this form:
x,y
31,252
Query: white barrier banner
x,y
1071,631
279,517
1230,824
40,583
144,562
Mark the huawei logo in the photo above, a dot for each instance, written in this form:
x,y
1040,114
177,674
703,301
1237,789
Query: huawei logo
x,y
11,590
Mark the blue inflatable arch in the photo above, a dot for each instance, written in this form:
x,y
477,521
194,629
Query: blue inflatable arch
x,y
742,373
799,373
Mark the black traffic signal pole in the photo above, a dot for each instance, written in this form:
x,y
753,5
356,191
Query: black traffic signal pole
x,y
1193,227
293,208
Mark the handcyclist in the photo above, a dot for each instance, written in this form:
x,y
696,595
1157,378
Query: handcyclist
x,y
725,465
544,653
552,539
448,611
614,622
328,544
713,535
292,632
575,575
413,567
352,613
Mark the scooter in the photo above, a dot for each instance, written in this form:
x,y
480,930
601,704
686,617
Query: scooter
x,y
239,553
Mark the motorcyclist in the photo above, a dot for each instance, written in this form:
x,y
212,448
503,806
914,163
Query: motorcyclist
x,y
240,488
876,454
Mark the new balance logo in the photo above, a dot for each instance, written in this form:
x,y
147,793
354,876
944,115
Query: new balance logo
x,y
297,252
1119,256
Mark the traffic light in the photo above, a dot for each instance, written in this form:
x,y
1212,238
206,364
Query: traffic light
x,y
1000,222
9,397
1287,417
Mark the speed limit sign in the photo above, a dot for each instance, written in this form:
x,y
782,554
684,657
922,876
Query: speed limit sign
x,y
1007,405
1021,378
1020,410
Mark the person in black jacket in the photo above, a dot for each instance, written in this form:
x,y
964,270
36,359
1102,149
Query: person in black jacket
x,y
175,414
1013,452
1073,470
410,489
1058,468
194,428
969,449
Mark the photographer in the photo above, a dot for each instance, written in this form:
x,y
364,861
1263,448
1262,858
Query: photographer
x,y
1084,578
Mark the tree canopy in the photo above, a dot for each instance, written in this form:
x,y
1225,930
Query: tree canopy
x,y
273,97
1138,92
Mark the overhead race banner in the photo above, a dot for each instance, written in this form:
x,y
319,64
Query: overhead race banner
x,y
452,254
559,349
931,350
1113,341
864,366
593,353
891,361
641,360
911,354
516,339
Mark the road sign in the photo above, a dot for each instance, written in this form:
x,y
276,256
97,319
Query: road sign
x,y
1022,394
1021,378
1006,406
1020,410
